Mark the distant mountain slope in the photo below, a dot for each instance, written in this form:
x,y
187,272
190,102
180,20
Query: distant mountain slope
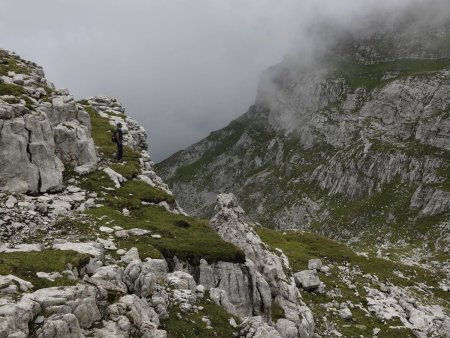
x,y
354,145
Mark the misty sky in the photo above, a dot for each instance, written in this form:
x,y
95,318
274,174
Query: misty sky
x,y
182,68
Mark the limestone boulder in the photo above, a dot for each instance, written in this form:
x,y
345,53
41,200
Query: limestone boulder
x,y
307,279
143,278
60,326
314,264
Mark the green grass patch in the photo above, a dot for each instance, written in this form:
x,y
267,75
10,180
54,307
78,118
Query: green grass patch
x,y
11,100
277,312
25,265
372,76
144,192
131,168
80,227
191,325
96,181
299,247
28,103
8,64
130,195
101,133
11,89
191,244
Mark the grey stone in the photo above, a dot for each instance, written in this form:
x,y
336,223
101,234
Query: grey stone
x,y
314,264
91,248
307,279
220,297
10,202
265,271
60,326
345,313
130,255
138,232
87,312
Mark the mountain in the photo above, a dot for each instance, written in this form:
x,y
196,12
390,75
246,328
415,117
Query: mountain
x,y
349,140
93,247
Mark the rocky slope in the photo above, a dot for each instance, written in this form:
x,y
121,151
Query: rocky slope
x,y
92,247
109,253
353,145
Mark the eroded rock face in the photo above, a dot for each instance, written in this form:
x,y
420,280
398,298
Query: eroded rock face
x,y
40,133
265,273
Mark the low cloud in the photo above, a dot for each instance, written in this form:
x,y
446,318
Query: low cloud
x,y
181,68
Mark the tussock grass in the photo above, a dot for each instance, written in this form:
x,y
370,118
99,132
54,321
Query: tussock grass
x,y
11,89
192,326
8,64
25,265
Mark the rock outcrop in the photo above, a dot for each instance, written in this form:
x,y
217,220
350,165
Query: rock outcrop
x,y
251,290
41,130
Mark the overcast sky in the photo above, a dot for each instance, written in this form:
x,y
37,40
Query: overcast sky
x,y
182,68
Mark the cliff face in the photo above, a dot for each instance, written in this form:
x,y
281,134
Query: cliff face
x,y
354,144
41,130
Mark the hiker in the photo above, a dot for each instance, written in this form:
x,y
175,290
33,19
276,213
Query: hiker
x,y
117,137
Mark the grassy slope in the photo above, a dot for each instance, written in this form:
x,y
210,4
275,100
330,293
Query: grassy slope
x,y
192,242
300,247
372,76
187,238
223,140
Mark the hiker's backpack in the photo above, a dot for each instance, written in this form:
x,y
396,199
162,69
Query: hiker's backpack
x,y
114,137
